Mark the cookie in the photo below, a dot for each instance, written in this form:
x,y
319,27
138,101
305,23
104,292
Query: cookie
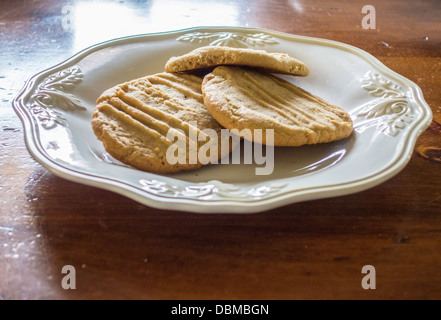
x,y
213,56
240,98
135,121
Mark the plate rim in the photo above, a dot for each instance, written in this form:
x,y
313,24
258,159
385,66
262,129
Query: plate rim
x,y
223,206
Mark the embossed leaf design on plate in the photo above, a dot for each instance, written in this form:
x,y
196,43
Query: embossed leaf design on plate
x,y
391,112
210,189
231,39
52,94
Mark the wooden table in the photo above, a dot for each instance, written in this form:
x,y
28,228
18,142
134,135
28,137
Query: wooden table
x,y
123,250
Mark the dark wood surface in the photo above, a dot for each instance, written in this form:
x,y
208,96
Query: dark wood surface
x,y
123,250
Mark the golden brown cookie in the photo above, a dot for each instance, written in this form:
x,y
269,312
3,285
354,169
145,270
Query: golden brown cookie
x,y
134,119
240,98
213,56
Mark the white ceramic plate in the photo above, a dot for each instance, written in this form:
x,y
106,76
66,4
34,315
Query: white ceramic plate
x,y
388,110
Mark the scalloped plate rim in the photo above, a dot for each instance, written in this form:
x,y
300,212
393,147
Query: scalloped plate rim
x,y
227,206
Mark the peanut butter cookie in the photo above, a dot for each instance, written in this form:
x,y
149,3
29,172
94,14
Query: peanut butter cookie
x,y
240,98
213,56
134,121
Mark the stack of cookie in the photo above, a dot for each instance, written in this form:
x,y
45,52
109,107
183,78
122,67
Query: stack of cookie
x,y
212,88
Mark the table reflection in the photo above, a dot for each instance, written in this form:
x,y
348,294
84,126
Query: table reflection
x,y
97,21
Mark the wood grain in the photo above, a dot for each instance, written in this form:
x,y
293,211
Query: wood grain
x,y
313,250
